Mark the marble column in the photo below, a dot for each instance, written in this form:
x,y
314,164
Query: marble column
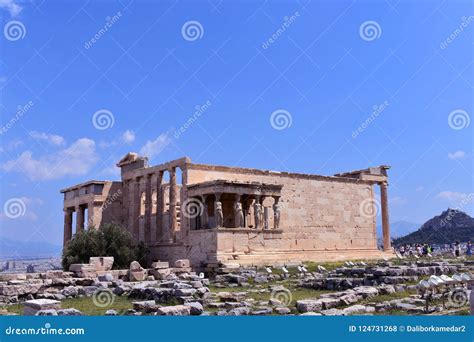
x,y
136,208
130,205
172,204
385,219
205,213
79,218
160,205
67,225
148,208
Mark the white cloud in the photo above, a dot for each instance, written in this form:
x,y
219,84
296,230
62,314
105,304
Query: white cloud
x,y
128,137
11,7
420,188
50,138
152,148
457,155
11,145
75,160
453,196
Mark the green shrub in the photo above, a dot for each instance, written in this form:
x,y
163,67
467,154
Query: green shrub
x,y
108,240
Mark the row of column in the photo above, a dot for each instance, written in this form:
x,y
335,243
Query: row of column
x,y
80,219
261,214
135,189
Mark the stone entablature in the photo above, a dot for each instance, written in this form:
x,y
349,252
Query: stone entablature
x,y
249,214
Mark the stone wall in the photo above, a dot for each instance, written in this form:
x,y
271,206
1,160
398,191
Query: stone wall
x,y
200,246
318,215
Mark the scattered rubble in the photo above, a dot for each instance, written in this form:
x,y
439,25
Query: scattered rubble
x,y
178,290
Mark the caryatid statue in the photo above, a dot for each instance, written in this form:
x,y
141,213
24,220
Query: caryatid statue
x,y
258,214
239,214
219,214
276,216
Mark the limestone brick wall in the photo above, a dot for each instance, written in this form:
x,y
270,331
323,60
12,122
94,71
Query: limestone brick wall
x,y
201,247
317,213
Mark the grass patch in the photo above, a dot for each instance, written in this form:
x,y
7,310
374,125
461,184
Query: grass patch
x,y
85,305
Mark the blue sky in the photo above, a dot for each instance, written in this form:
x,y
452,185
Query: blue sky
x,y
306,86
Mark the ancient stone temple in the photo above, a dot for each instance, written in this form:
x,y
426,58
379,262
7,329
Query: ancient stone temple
x,y
210,214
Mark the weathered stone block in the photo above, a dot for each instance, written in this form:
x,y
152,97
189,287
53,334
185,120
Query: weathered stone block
x,y
31,307
160,265
182,263
102,263
136,275
175,310
309,305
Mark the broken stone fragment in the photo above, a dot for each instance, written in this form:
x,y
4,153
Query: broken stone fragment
x,y
182,263
196,308
160,265
175,310
102,263
31,307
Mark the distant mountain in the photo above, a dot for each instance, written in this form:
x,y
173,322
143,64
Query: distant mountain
x,y
13,249
452,225
399,228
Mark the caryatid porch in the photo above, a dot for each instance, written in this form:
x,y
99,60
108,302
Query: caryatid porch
x,y
228,204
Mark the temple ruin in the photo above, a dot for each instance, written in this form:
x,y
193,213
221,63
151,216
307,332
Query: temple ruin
x,y
217,214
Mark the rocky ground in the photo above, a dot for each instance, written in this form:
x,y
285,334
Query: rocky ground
x,y
384,287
